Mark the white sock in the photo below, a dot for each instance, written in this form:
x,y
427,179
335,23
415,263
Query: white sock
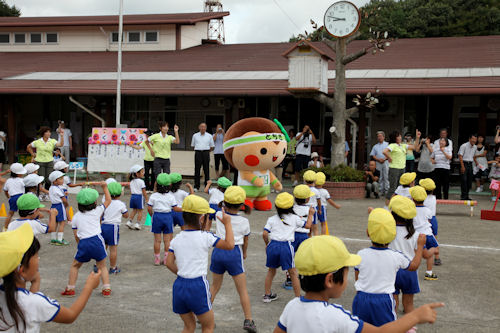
x,y
60,236
53,235
428,272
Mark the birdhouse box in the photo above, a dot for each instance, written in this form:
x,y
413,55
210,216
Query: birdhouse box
x,y
307,68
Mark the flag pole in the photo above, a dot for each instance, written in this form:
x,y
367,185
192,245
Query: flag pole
x,y
119,69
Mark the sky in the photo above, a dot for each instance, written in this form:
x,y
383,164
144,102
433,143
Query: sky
x,y
250,21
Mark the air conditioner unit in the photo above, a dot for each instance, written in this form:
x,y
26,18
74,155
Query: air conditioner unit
x,y
388,106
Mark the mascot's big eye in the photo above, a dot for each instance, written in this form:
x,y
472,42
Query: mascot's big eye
x,y
263,151
284,151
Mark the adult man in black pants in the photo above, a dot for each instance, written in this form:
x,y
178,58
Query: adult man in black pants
x,y
203,143
466,156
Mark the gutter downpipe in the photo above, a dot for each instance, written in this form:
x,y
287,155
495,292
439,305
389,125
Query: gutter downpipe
x,y
74,101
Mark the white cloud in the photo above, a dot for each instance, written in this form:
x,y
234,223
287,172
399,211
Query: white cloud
x,y
251,21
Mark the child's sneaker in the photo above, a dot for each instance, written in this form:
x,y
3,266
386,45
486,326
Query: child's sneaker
x,y
68,293
269,298
157,261
106,292
249,326
288,284
53,242
62,242
130,225
493,198
137,226
430,277
437,262
114,270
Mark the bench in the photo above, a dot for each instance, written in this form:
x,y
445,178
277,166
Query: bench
x,y
470,203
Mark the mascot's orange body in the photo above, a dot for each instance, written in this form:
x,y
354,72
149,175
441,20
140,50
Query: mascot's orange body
x,y
255,146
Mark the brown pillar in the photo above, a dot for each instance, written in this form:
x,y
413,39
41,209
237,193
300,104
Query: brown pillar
x,y
110,113
178,45
11,129
362,143
481,125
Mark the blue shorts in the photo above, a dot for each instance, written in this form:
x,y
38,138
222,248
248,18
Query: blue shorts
x,y
434,226
61,212
299,238
162,223
110,233
431,242
322,214
191,295
91,248
13,202
280,254
407,282
217,208
376,309
315,215
177,218
227,260
136,201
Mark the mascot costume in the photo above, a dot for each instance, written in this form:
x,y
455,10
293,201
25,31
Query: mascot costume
x,y
254,146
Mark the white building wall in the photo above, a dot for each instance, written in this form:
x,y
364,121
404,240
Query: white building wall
x,y
192,35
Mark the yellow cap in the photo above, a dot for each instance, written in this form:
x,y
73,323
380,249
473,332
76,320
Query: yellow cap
x,y
418,193
13,246
403,207
284,200
197,205
309,176
235,195
428,184
320,178
407,178
381,226
302,192
323,254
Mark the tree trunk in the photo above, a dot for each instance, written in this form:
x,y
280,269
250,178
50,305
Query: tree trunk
x,y
339,105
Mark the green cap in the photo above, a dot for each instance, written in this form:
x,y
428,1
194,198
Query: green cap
x,y
28,201
163,179
115,188
175,177
87,196
224,182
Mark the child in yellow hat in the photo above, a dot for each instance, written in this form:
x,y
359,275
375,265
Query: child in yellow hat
x,y
23,310
315,202
323,263
232,261
376,274
431,202
422,223
189,260
325,200
278,235
406,181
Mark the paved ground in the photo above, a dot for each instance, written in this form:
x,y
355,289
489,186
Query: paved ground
x,y
468,282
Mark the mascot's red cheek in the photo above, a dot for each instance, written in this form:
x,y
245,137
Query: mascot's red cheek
x,y
251,160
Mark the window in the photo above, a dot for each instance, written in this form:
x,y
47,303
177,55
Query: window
x,y
114,37
19,38
151,36
4,38
52,37
134,37
35,38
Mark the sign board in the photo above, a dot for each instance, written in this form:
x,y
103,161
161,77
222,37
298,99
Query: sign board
x,y
112,149
76,165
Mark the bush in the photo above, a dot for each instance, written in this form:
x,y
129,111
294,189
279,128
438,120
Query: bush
x,y
340,173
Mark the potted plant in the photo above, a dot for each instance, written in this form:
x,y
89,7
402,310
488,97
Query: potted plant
x,y
343,182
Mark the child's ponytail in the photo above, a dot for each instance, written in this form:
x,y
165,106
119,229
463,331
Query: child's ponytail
x,y
408,223
131,176
284,211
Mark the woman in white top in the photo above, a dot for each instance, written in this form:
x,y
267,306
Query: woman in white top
x,y
480,166
441,159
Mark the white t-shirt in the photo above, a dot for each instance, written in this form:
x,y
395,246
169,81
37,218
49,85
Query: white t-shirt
x,y
202,142
136,186
37,308
67,181
324,195
401,244
56,193
313,201
303,315
303,212
467,152
404,191
283,230
14,186
430,202
216,196
2,143
303,144
240,224
316,165
162,202
180,195
113,213
421,221
67,134
37,226
436,144
378,269
88,224
191,252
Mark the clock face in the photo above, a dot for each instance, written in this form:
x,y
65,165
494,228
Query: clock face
x,y
342,19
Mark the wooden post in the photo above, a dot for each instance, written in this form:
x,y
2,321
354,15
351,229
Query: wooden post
x,y
481,125
11,129
361,139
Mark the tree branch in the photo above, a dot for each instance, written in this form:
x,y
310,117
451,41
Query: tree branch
x,y
330,43
352,110
324,99
352,37
353,56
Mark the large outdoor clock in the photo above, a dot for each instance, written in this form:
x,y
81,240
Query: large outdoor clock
x,y
342,19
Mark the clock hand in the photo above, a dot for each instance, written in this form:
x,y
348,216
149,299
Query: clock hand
x,y
337,18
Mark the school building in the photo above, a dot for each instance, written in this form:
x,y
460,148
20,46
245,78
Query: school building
x,y
172,71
